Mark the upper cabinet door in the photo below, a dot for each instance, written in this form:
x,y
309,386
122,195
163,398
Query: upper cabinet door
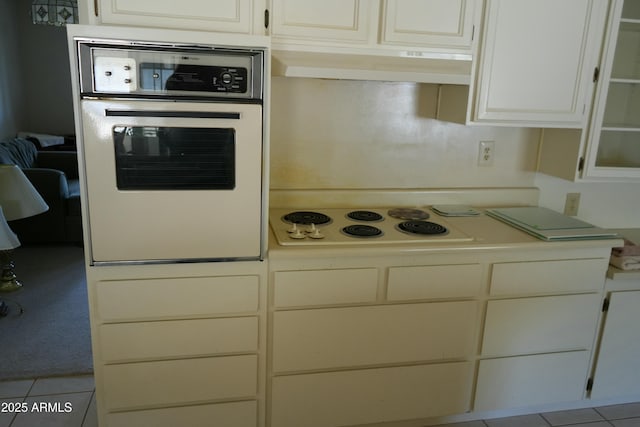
x,y
328,20
613,145
442,24
537,61
235,16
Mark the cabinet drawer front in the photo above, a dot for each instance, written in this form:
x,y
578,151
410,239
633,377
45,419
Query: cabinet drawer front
x,y
514,382
540,277
236,414
437,281
121,342
340,337
317,287
174,382
180,297
371,395
532,325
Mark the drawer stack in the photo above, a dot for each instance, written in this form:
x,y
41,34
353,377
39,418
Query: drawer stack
x,y
540,326
365,340
178,350
363,345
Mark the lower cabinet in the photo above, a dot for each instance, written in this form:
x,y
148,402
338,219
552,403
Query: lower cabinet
x,y
516,382
366,336
540,324
236,414
179,344
176,382
364,341
617,372
536,346
371,395
348,351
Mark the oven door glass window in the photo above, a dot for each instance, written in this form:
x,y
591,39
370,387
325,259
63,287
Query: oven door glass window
x,y
174,158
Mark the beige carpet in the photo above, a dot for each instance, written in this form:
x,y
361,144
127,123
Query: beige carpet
x,y
51,337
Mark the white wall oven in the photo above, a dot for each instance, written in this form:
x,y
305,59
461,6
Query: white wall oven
x,y
172,150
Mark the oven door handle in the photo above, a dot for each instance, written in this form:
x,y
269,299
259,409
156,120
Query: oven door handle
x,y
173,114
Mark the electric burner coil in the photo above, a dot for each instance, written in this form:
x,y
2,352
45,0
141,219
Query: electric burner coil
x,y
361,230
422,228
306,218
408,214
367,216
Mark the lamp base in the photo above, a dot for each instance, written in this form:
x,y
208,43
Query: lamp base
x,y
8,281
10,285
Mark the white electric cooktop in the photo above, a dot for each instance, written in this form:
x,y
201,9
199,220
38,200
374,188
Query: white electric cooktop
x,y
350,226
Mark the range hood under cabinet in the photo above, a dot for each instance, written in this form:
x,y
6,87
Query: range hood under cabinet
x,y
425,41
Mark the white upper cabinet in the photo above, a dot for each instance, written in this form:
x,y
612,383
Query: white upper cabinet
x,y
614,134
234,16
536,62
446,24
423,24
608,147
341,21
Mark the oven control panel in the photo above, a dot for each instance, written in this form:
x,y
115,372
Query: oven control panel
x,y
193,78
126,69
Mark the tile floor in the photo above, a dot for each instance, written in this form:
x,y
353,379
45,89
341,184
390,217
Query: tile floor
x,y
627,415
48,402
70,402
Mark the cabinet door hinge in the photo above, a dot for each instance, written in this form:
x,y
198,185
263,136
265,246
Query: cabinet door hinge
x,y
596,74
580,164
605,305
589,384
266,18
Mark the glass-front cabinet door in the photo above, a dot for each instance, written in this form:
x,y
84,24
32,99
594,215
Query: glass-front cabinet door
x,y
615,129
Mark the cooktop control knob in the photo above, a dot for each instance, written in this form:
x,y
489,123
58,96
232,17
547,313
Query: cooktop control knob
x,y
295,232
297,235
226,78
314,232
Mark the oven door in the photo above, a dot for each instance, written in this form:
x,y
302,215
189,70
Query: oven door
x,y
170,181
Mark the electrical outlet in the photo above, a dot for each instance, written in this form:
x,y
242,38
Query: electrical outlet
x,y
485,153
572,204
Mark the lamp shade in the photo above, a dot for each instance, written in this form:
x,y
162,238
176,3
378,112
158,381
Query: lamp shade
x,y
18,197
8,239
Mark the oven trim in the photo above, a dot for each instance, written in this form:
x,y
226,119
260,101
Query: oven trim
x,y
173,114
84,49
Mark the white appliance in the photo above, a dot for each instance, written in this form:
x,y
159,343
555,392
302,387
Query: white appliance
x,y
351,226
172,149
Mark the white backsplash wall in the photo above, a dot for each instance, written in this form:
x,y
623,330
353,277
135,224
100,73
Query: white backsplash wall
x,y
341,134
606,204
